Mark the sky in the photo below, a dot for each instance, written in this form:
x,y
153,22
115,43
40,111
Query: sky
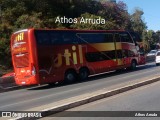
x,y
151,9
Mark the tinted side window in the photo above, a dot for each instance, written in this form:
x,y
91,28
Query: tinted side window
x,y
125,37
93,57
100,56
69,38
44,37
110,54
95,37
136,37
55,38
119,54
109,37
117,37
91,37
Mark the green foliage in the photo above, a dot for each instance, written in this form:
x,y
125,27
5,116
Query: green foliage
x,y
21,14
137,22
151,38
29,21
5,32
116,15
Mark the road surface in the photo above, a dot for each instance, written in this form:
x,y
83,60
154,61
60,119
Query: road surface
x,y
146,98
21,100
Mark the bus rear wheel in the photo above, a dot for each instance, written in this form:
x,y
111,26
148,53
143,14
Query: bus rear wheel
x,y
70,76
83,73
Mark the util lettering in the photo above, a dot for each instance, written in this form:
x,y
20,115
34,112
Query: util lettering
x,y
69,56
19,37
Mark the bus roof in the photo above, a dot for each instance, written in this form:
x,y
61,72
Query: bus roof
x,y
24,30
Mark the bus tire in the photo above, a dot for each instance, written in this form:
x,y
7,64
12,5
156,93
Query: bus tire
x,y
133,65
83,74
70,76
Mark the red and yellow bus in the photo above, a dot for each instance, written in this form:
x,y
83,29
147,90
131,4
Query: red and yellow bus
x,y
49,56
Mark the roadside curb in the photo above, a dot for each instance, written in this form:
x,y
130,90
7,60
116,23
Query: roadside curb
x,y
90,97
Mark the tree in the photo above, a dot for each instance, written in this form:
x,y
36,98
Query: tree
x,y
29,21
137,22
151,38
5,57
116,15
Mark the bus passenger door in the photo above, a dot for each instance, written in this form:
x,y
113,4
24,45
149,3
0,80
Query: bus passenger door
x,y
120,58
125,57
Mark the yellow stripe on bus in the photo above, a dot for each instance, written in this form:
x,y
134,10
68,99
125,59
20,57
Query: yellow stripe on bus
x,y
106,46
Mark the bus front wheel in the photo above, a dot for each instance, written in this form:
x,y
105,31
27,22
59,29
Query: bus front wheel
x,y
70,76
133,65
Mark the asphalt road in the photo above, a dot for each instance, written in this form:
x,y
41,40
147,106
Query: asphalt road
x,y
146,98
24,99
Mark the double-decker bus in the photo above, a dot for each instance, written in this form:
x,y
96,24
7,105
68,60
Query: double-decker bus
x,y
49,56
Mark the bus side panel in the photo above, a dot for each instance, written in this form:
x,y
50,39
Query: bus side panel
x,y
55,60
48,71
